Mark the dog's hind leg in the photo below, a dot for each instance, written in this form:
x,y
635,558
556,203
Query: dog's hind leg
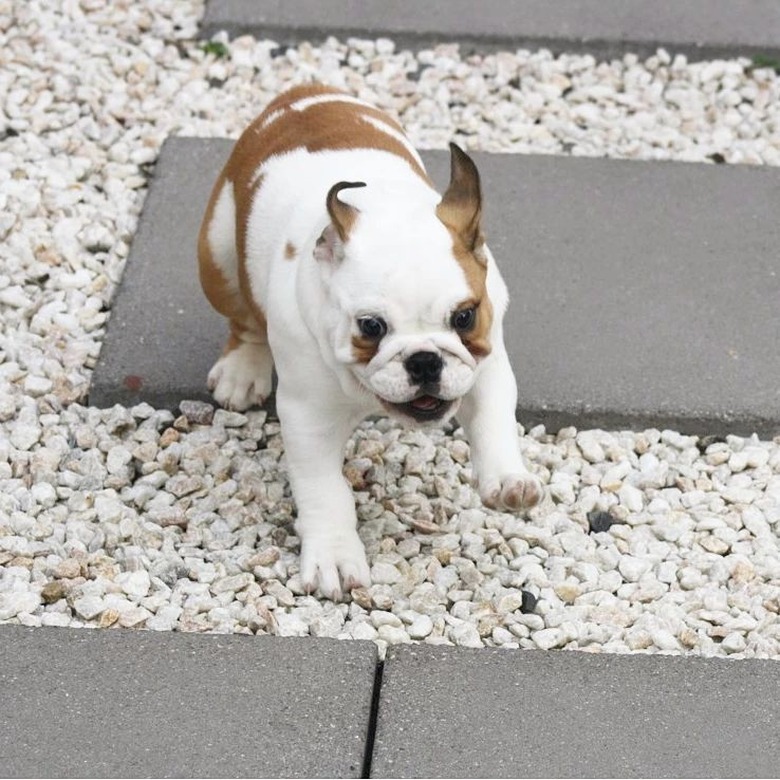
x,y
243,374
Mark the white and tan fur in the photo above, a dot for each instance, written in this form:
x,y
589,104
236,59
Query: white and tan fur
x,y
322,229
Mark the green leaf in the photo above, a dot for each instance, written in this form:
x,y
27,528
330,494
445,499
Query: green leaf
x,y
216,48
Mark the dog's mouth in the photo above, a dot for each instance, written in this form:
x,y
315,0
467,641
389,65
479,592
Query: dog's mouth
x,y
423,408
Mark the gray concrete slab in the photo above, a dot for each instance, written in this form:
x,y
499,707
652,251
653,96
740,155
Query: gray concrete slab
x,y
606,28
643,293
122,703
454,712
163,335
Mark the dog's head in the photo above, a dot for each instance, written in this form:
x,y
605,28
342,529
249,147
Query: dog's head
x,y
406,279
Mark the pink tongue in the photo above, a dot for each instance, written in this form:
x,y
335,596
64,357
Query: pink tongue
x,y
425,402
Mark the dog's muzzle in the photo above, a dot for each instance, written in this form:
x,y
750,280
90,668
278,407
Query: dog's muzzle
x,y
424,384
424,367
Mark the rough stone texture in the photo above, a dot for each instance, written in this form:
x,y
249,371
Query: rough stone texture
x,y
504,713
699,28
116,703
643,293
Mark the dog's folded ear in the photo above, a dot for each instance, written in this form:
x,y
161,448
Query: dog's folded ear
x,y
461,207
342,215
330,245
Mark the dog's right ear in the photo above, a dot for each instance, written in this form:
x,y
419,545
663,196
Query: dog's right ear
x,y
330,245
460,208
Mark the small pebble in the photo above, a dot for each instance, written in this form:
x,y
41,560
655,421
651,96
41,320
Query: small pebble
x,y
599,521
528,602
197,412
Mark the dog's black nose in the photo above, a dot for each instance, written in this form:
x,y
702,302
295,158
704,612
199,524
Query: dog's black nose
x,y
424,368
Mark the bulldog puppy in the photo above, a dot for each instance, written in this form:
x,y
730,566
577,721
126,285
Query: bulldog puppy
x,y
334,258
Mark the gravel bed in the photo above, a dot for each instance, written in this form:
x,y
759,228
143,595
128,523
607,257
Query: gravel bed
x,y
648,542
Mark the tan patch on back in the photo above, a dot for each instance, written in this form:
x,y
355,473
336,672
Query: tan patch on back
x,y
222,295
211,278
246,323
290,251
332,125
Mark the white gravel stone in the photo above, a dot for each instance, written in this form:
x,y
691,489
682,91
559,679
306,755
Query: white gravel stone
x,y
229,419
509,602
290,625
135,584
68,568
59,619
734,643
631,498
632,567
393,635
118,457
234,583
548,638
24,436
664,640
753,519
381,618
36,386
108,507
714,545
14,602
385,574
134,617
590,447
420,627
165,619
88,607
465,635
329,624
44,494
363,630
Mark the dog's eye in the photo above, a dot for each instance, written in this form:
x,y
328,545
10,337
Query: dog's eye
x,y
372,328
463,320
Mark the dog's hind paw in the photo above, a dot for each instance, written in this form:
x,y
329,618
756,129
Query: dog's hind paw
x,y
242,377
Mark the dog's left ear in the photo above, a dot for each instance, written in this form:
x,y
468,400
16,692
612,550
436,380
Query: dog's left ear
x,y
461,207
330,245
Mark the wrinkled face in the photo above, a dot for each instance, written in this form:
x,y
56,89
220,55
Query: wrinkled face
x,y
406,275
413,315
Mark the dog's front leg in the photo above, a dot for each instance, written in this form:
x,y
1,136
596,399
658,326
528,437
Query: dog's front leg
x,y
488,416
332,554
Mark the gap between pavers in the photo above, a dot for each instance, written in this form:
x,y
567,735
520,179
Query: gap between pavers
x,y
643,293
454,712
130,703
701,29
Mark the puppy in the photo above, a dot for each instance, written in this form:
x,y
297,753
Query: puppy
x,y
334,259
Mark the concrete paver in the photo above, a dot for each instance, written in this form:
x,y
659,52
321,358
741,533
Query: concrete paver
x,y
164,336
606,28
643,293
123,703
454,712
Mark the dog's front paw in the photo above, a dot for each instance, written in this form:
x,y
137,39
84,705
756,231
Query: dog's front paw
x,y
333,563
512,492
242,377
